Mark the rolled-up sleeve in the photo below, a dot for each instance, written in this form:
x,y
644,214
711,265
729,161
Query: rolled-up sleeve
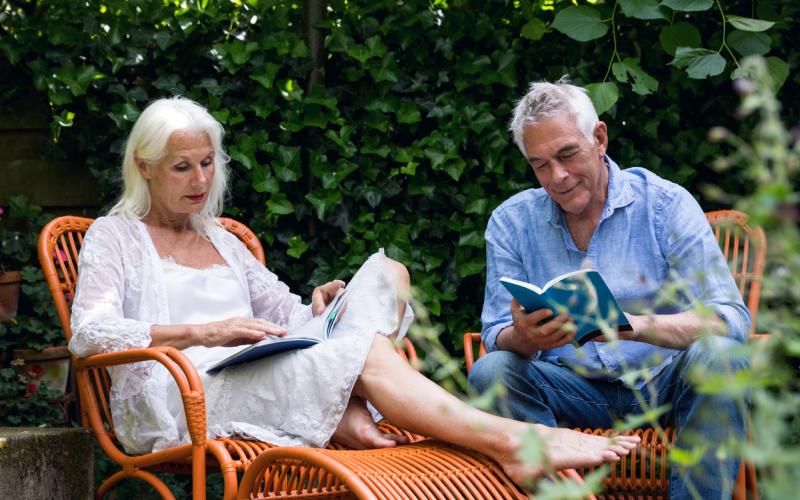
x,y
501,260
695,257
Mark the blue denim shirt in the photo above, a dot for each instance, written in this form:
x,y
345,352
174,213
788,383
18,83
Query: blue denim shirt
x,y
652,235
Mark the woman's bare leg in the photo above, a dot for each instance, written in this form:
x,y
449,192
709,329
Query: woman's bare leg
x,y
417,404
356,429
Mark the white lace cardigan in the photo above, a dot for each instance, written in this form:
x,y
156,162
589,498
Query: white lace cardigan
x,y
120,294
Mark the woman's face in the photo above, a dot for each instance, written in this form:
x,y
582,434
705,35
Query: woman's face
x,y
179,184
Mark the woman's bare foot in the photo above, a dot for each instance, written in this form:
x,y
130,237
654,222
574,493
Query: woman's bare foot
x,y
357,430
563,449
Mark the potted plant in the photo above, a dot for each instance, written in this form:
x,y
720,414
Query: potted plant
x,y
31,340
10,280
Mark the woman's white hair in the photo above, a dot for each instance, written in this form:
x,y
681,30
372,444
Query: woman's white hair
x,y
545,99
148,142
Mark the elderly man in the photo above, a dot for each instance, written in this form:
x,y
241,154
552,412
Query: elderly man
x,y
645,235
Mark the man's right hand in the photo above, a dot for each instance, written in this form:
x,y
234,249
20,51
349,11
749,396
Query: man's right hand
x,y
532,332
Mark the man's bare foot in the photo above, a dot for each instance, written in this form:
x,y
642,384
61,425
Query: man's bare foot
x,y
357,430
564,449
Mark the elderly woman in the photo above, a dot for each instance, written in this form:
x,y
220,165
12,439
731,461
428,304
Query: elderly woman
x,y
159,270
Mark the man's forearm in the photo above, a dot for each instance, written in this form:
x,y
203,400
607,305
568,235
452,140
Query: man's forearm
x,y
508,341
676,331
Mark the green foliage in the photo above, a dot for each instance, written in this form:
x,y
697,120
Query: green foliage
x,y
402,142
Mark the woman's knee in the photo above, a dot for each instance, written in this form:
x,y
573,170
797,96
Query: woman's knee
x,y
399,273
493,367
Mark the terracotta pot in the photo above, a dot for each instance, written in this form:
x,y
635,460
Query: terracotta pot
x,y
9,294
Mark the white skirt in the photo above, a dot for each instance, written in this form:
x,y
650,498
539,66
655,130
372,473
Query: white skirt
x,y
298,397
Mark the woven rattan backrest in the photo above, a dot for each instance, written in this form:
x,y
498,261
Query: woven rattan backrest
x,y
745,250
59,246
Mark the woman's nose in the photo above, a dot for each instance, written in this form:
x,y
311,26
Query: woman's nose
x,y
199,176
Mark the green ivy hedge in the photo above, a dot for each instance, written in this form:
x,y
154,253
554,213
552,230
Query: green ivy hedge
x,y
402,142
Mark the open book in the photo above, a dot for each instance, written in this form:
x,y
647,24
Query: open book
x,y
314,331
582,294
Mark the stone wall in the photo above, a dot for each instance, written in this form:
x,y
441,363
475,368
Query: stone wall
x,y
46,463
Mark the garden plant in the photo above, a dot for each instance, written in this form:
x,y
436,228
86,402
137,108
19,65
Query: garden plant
x,y
354,125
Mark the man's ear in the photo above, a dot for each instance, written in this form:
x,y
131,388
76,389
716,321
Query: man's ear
x,y
142,166
601,137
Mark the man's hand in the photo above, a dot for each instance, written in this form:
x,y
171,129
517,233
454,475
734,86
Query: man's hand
x,y
674,331
238,331
323,294
533,331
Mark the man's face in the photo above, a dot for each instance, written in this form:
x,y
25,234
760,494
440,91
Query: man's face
x,y
568,166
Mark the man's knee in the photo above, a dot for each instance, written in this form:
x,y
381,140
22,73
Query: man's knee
x,y
493,367
716,353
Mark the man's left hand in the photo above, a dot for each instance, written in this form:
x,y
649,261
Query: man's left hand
x,y
323,294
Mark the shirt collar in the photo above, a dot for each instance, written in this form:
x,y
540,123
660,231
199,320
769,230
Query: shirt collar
x,y
620,195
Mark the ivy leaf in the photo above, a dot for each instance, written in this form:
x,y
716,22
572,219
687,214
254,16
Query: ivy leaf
x,y
580,23
469,268
324,201
680,34
629,70
750,24
778,70
747,43
408,113
278,204
267,75
297,246
472,238
642,9
287,168
534,29
688,5
603,95
699,63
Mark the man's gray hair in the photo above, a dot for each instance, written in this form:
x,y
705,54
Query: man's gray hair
x,y
148,142
545,99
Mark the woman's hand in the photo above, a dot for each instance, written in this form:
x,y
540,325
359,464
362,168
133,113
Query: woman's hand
x,y
238,331
323,294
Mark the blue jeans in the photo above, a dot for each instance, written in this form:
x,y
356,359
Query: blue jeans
x,y
549,394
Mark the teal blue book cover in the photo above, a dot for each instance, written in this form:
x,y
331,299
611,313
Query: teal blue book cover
x,y
583,294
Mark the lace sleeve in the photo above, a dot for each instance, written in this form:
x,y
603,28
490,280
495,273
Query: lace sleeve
x,y
271,299
98,323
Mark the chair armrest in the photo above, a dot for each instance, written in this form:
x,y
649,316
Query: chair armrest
x,y
179,366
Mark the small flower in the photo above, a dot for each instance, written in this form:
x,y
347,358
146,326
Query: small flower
x,y
59,255
33,388
35,370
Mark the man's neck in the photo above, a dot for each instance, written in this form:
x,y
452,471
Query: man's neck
x,y
582,226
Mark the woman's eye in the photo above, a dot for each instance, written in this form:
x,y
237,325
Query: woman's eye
x,y
180,167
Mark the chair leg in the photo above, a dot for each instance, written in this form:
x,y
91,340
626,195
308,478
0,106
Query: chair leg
x,y
145,476
227,467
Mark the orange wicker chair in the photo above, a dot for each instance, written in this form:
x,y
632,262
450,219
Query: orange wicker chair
x,y
310,473
644,473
